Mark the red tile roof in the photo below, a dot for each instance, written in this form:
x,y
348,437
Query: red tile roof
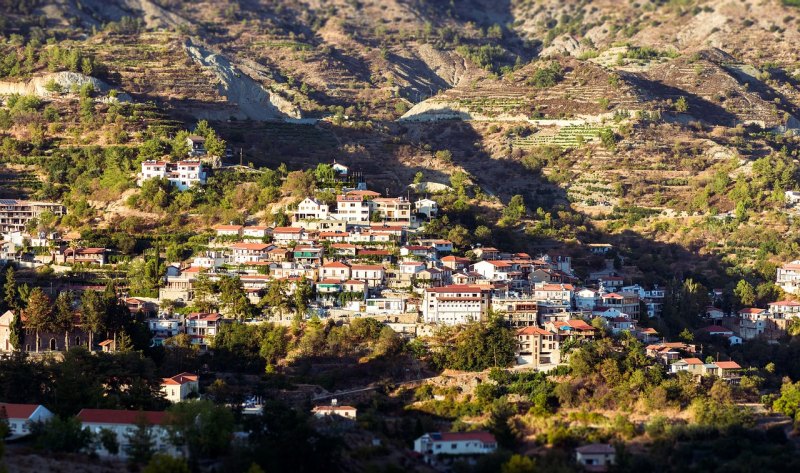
x,y
480,436
180,379
111,416
18,411
531,330
728,365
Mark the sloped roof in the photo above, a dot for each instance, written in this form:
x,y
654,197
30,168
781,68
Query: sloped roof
x,y
111,416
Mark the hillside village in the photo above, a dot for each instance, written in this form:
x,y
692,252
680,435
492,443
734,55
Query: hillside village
x,y
375,236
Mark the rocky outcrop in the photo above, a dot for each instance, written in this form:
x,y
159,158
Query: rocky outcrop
x,y
249,97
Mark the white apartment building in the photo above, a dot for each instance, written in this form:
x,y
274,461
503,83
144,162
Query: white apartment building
x,y
386,305
455,305
15,214
352,208
554,292
183,174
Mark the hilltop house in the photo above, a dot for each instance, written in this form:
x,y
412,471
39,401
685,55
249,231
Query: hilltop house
x,y
537,347
183,174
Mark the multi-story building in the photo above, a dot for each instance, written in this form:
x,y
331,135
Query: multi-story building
x,y
455,305
752,322
537,347
183,174
554,292
15,214
518,312
164,328
393,209
427,207
352,208
202,328
335,270
625,302
788,277
372,274
311,209
244,253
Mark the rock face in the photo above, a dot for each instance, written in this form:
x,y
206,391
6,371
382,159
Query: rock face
x,y
249,97
66,80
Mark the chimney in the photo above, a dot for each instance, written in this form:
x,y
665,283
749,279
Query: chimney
x,y
334,402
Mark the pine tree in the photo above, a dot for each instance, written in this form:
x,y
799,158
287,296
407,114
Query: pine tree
x,y
39,313
94,314
17,336
64,316
11,294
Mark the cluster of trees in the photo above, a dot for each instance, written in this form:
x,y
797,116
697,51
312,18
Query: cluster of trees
x,y
16,60
474,347
83,379
256,347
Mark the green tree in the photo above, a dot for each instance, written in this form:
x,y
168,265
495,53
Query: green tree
x,y
64,316
17,331
94,314
744,293
518,464
515,210
681,105
161,463
108,440
61,434
205,429
39,313
140,442
11,299
789,401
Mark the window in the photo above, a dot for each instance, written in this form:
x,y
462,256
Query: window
x,y
453,446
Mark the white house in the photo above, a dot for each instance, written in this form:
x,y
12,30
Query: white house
x,y
178,387
586,298
788,277
311,209
256,232
244,253
21,416
714,313
427,207
228,230
456,443
183,174
372,274
596,456
124,423
554,292
335,270
347,412
284,235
